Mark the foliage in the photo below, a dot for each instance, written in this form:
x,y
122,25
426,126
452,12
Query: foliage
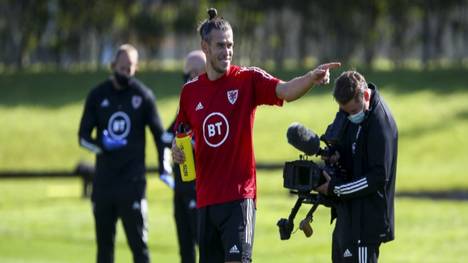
x,y
64,32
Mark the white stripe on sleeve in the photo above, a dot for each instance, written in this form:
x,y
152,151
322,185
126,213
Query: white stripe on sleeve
x,y
90,146
350,188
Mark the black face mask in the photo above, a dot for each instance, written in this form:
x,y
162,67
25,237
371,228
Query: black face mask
x,y
123,80
186,77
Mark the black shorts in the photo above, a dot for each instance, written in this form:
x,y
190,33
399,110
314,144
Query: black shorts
x,y
356,253
226,231
346,250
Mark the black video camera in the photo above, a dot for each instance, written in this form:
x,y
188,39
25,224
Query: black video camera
x,y
303,176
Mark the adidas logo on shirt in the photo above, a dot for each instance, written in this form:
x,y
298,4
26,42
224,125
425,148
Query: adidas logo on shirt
x,y
199,107
192,204
136,206
234,250
347,254
105,103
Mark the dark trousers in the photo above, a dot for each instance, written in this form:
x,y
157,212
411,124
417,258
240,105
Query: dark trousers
x,y
345,249
133,213
186,218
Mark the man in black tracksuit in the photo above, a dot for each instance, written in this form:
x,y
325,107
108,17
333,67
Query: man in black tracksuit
x,y
119,109
364,197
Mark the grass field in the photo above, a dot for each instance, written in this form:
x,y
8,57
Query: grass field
x,y
41,113
45,220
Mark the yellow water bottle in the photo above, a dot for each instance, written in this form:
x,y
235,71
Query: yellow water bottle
x,y
187,168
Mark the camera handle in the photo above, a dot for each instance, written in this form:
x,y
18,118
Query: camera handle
x,y
305,223
315,204
286,226
295,209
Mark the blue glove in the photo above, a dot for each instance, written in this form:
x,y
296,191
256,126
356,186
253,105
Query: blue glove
x,y
112,144
167,179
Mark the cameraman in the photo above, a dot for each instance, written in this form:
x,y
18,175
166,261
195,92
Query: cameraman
x,y
367,149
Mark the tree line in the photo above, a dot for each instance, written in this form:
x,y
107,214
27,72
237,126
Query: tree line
x,y
274,32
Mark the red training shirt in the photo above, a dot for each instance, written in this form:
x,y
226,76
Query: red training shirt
x,y
221,115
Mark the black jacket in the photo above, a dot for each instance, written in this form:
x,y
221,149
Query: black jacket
x,y
124,113
368,151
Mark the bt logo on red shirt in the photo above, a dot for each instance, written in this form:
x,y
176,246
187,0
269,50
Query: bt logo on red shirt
x,y
215,129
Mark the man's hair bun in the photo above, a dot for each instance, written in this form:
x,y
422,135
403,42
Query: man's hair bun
x,y
212,13
213,22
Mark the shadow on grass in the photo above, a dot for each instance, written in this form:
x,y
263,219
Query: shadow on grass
x,y
462,115
430,128
86,176
453,195
56,89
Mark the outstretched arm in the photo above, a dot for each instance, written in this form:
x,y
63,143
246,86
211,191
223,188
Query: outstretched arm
x,y
297,87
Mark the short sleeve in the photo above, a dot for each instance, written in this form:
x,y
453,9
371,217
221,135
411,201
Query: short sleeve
x,y
265,87
181,117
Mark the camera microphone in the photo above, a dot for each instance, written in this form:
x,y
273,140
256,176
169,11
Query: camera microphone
x,y
303,139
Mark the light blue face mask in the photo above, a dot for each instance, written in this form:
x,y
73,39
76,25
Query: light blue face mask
x,y
357,118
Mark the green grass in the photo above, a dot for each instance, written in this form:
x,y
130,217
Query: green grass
x,y
46,221
40,114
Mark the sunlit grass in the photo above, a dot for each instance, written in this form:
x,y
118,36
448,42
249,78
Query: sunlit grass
x,y
41,119
45,220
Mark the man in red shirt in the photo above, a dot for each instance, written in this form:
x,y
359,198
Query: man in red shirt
x,y
219,107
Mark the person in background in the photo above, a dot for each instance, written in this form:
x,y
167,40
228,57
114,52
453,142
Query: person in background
x,y
119,109
185,205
